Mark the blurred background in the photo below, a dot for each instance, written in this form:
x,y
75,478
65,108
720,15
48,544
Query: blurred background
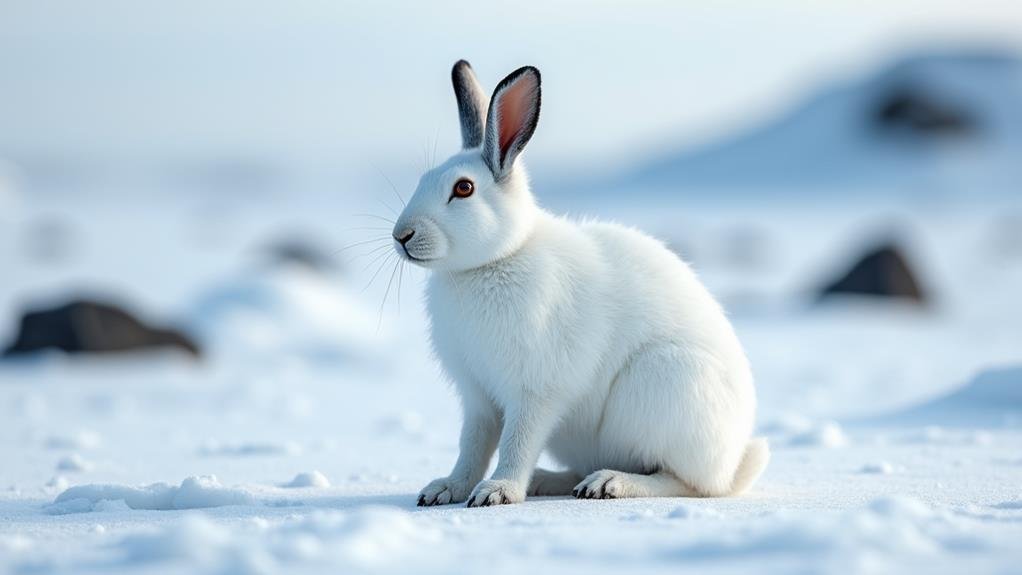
x,y
194,198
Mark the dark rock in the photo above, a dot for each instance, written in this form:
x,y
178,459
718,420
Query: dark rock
x,y
84,326
916,112
882,272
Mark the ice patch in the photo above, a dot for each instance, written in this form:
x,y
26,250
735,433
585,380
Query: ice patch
x,y
308,479
193,493
74,463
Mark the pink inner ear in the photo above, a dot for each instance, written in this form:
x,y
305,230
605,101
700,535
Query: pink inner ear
x,y
515,104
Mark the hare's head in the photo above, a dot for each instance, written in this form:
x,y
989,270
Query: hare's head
x,y
476,207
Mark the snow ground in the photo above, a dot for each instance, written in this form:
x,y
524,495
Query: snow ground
x,y
301,449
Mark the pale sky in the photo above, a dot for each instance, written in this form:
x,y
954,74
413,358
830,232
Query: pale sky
x,y
327,81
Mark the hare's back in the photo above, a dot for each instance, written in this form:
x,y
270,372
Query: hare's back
x,y
650,282
635,253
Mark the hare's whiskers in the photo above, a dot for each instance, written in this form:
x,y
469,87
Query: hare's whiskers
x,y
378,270
379,319
361,243
388,220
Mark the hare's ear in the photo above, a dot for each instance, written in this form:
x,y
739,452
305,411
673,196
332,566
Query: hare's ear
x,y
471,104
511,120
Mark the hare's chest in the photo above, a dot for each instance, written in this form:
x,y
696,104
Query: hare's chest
x,y
516,331
493,330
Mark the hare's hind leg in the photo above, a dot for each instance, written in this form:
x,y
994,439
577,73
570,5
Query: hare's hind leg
x,y
679,412
552,482
610,484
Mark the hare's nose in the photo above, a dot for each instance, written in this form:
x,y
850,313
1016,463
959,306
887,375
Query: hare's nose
x,y
405,235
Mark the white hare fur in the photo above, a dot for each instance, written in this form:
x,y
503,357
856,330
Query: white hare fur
x,y
589,340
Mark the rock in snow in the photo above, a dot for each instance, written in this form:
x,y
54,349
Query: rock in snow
x,y
88,326
882,272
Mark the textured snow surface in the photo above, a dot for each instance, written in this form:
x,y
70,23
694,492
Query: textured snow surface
x,y
896,432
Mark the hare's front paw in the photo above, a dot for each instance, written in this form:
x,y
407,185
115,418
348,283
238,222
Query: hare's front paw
x,y
496,492
443,491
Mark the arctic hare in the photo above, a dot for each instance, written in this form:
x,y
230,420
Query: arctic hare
x,y
589,340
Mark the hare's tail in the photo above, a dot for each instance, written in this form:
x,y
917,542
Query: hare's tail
x,y
757,455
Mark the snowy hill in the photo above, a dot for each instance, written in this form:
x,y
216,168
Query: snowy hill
x,y
937,122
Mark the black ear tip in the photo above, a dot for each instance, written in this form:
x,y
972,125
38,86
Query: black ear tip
x,y
461,65
524,71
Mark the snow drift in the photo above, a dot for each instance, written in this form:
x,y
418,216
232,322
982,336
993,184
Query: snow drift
x,y
290,310
992,399
922,124
193,493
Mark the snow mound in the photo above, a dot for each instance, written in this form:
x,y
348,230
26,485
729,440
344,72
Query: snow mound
x,y
308,479
827,434
366,539
992,399
194,493
798,431
289,310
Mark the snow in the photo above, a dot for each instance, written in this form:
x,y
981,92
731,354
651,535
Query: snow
x,y
79,440
881,468
827,435
827,138
883,459
298,442
289,308
991,399
214,448
73,463
308,479
193,493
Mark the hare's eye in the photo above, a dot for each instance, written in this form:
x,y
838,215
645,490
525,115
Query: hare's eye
x,y
463,188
